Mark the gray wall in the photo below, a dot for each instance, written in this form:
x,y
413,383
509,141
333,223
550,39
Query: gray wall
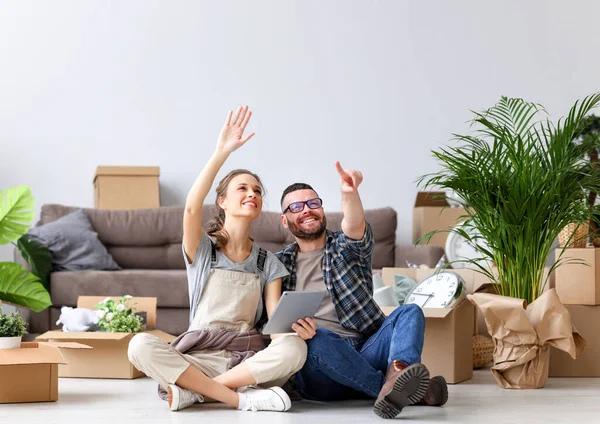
x,y
374,84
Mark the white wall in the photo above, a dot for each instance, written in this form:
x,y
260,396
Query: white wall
x,y
374,84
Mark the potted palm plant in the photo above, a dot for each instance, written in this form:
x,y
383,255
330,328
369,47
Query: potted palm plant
x,y
17,285
524,180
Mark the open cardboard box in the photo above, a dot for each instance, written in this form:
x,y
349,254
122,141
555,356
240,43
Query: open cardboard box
x,y
448,347
108,358
432,212
30,374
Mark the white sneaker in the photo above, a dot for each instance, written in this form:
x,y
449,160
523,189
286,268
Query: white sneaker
x,y
180,398
271,399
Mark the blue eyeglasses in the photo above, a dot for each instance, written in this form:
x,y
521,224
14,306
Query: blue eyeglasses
x,y
298,207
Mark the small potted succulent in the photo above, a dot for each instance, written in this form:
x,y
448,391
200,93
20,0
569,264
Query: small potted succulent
x,y
12,328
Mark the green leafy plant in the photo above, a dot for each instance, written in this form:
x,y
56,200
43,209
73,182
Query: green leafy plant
x,y
118,317
11,325
524,180
17,285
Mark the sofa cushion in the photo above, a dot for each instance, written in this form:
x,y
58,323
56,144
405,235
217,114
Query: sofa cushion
x,y
74,244
168,286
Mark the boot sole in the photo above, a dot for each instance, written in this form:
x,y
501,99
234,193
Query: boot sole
x,y
409,388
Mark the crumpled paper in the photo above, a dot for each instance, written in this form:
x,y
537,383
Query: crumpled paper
x,y
523,335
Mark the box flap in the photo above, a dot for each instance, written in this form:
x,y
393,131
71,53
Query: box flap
x,y
127,170
437,312
66,345
76,335
428,312
140,304
431,198
31,353
165,337
387,274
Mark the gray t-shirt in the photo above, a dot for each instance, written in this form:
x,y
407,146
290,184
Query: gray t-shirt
x,y
199,270
309,277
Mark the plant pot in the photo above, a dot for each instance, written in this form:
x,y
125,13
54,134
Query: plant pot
x,y
522,336
10,342
578,231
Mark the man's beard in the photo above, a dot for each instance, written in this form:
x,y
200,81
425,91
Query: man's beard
x,y
309,235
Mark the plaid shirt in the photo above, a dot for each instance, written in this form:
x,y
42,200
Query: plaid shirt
x,y
348,279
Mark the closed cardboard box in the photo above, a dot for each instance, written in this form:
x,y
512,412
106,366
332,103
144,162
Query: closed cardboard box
x,y
126,187
108,356
432,212
579,284
29,374
448,346
586,320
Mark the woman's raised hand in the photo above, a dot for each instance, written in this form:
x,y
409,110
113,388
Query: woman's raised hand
x,y
232,135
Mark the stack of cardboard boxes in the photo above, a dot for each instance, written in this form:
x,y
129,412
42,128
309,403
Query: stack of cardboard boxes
x,y
578,287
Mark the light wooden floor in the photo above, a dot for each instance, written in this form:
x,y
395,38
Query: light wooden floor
x,y
479,400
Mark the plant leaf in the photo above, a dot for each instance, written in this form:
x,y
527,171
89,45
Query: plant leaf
x,y
16,213
38,256
22,288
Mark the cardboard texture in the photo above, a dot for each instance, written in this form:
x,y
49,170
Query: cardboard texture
x,y
448,345
126,187
29,374
108,358
585,319
578,284
432,212
523,335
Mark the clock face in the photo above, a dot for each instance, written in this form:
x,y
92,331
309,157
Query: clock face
x,y
441,290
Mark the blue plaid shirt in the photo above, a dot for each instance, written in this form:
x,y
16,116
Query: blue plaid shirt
x,y
348,278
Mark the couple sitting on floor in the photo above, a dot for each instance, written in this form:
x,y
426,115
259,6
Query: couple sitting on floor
x,y
349,350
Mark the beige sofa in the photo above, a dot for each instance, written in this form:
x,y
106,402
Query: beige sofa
x,y
146,243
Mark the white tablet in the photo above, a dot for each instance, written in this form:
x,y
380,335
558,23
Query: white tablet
x,y
292,306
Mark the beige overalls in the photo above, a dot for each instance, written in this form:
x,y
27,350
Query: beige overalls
x,y
229,301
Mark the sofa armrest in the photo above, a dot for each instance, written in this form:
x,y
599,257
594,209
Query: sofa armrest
x,y
18,259
428,255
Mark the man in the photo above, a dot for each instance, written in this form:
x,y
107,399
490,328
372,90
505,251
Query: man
x,y
355,351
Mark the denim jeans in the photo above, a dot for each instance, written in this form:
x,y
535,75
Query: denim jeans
x,y
338,368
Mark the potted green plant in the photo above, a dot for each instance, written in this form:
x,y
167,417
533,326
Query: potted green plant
x,y
12,328
524,179
17,285
119,317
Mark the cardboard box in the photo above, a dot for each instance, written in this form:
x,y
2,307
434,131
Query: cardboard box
x,y
585,319
578,284
448,347
108,358
433,213
29,374
126,187
476,282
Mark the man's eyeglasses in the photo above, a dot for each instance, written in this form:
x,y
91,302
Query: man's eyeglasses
x,y
298,207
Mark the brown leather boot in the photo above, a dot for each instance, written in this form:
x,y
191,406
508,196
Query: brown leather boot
x,y
404,385
437,392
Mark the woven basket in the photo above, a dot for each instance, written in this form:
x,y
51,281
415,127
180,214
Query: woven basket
x,y
483,350
579,239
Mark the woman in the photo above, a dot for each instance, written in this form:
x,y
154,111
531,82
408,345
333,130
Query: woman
x,y
228,277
